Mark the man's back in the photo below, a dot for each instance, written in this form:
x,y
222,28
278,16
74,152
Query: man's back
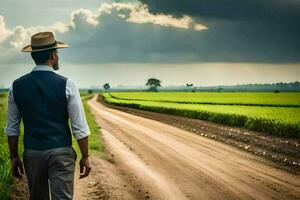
x,y
41,100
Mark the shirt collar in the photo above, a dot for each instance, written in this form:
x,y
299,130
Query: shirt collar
x,y
43,68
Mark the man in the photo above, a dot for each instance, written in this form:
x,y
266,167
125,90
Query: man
x,y
46,101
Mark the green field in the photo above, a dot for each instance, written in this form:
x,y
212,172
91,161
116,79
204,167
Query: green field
x,y
282,121
5,175
223,98
95,140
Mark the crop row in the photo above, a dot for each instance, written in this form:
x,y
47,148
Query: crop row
x,y
215,98
273,120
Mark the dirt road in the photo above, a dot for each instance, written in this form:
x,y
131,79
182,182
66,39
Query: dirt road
x,y
165,162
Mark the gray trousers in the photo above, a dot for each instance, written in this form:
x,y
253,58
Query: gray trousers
x,y
50,172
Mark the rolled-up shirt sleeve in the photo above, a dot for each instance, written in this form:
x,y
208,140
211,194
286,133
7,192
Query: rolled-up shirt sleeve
x,y
79,126
13,118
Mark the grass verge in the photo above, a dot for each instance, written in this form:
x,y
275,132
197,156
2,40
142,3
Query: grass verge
x,y
96,146
6,181
5,174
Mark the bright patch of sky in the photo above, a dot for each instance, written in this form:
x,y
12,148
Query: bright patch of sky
x,y
136,74
37,12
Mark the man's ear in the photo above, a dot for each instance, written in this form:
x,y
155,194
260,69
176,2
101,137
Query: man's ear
x,y
52,56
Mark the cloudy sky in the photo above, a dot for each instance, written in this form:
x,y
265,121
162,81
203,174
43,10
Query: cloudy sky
x,y
205,42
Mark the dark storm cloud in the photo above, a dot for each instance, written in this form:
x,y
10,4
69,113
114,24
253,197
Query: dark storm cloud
x,y
269,10
118,41
249,30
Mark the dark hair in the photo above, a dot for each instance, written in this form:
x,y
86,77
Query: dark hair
x,y
40,57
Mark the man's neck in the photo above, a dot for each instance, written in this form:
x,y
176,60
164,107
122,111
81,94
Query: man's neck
x,y
49,65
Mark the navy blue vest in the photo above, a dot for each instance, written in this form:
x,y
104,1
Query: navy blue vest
x,y
41,99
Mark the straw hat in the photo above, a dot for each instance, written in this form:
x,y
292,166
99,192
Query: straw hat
x,y
43,41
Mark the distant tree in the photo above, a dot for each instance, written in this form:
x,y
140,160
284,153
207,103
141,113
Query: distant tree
x,y
276,91
153,83
220,89
106,87
295,84
90,91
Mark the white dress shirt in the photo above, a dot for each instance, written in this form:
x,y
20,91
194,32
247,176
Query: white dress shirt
x,y
79,126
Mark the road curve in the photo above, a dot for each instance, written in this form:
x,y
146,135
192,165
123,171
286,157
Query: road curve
x,y
176,164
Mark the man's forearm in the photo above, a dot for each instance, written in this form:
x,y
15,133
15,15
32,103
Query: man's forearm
x,y
84,146
13,146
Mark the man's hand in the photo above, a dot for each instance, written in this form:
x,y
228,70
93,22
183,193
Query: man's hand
x,y
16,163
17,167
85,167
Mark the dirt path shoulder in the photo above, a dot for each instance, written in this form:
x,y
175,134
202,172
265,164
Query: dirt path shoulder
x,y
105,182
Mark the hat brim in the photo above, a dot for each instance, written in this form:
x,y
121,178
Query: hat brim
x,y
59,45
